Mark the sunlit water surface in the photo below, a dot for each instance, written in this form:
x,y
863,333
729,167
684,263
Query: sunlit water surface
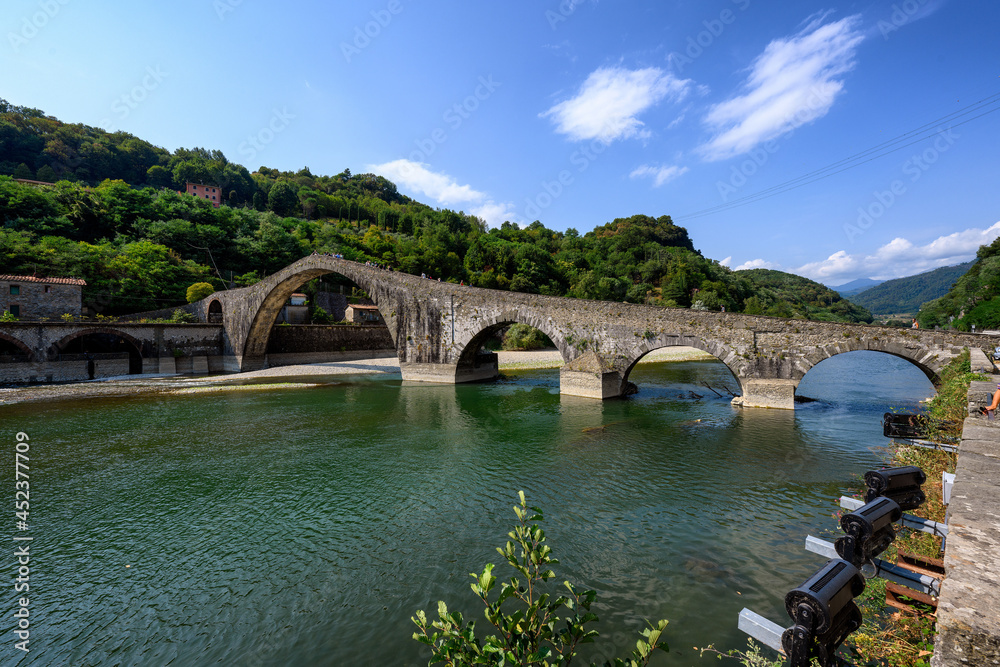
x,y
305,526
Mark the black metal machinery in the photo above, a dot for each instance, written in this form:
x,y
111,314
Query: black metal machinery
x,y
899,484
910,425
868,531
824,613
822,608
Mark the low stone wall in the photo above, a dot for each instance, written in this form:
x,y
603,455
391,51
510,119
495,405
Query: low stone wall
x,y
968,616
313,338
50,371
318,344
979,361
73,369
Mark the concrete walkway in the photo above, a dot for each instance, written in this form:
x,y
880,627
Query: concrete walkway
x,y
968,618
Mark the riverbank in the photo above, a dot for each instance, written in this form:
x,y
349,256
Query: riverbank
x,y
126,385
890,637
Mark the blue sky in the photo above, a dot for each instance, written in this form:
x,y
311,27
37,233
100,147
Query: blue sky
x,y
574,112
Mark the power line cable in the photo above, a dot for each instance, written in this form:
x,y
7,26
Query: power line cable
x,y
855,159
792,185
935,123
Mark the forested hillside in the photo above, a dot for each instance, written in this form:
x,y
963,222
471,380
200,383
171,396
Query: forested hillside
x,y
974,299
114,218
904,296
787,295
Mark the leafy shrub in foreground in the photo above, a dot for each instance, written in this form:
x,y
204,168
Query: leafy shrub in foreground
x,y
533,633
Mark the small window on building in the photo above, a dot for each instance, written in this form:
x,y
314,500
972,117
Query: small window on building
x,y
15,290
15,310
47,288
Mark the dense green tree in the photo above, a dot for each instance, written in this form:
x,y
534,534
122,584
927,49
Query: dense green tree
x,y
159,176
282,198
46,174
198,291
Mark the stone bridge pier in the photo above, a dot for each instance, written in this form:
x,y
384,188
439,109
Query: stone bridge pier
x,y
439,330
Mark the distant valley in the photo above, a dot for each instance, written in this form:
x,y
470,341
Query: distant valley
x,y
903,296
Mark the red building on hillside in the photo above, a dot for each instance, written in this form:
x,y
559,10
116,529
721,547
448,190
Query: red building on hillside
x,y
209,192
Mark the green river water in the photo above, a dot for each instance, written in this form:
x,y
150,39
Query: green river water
x,y
305,526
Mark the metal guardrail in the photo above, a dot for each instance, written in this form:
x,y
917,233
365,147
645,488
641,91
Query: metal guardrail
x,y
928,444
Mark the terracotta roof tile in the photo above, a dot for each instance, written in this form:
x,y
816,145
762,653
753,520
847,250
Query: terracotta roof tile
x,y
35,279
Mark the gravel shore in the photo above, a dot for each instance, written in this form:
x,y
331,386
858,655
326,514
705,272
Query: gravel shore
x,y
144,384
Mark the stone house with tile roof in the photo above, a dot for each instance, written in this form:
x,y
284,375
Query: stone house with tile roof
x,y
34,298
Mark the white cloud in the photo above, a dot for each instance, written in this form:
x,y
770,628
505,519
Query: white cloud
x,y
608,103
756,264
793,82
660,175
900,257
496,214
727,261
444,190
417,176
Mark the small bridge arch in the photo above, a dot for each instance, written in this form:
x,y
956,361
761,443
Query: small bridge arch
x,y
135,348
19,345
473,366
215,312
928,363
490,325
715,348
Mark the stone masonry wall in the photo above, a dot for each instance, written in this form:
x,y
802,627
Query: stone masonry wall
x,y
36,304
310,338
334,304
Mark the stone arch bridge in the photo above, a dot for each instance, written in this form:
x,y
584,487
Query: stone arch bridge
x,y
439,328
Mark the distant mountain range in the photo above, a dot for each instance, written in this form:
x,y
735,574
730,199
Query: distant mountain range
x,y
856,286
904,296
